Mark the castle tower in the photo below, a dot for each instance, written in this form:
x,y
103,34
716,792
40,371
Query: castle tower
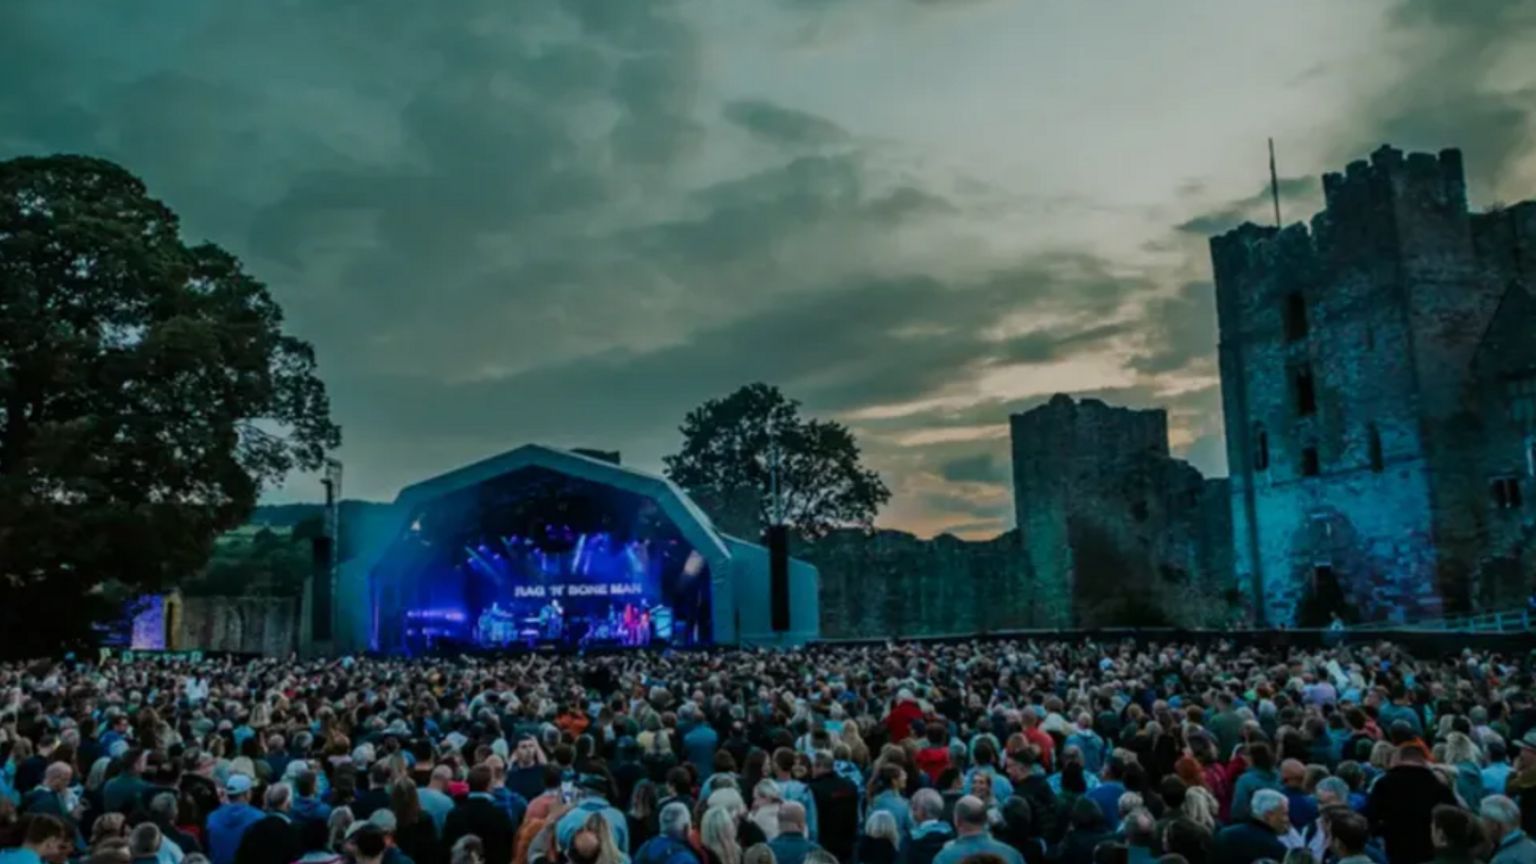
x,y
1345,353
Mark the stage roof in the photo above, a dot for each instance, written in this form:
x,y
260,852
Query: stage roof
x,y
692,520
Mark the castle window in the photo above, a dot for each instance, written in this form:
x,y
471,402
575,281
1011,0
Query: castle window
x,y
1310,465
1505,493
1373,444
1260,449
1295,317
1306,392
1522,401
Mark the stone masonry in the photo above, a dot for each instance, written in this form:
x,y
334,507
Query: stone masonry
x,y
1379,389
890,584
1114,530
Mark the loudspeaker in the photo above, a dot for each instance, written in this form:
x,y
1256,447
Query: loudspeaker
x,y
778,577
320,589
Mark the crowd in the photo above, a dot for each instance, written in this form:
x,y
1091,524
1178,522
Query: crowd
x,y
991,752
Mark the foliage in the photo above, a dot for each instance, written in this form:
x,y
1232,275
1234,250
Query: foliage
x,y
258,561
147,394
726,464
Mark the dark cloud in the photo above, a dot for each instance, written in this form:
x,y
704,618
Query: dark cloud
x,y
1045,346
980,468
1453,88
537,221
784,126
838,349
1299,197
1179,331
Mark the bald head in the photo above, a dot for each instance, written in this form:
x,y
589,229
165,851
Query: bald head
x,y
585,846
792,817
970,816
1293,773
442,775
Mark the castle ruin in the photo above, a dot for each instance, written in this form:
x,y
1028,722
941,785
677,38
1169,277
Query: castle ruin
x,y
1378,374
1114,529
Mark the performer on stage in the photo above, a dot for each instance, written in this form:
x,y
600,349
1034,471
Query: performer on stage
x,y
552,619
495,626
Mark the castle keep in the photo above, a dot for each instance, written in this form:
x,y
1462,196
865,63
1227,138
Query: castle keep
x,y
1378,374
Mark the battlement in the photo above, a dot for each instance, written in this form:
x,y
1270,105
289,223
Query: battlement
x,y
1099,427
1417,178
1375,210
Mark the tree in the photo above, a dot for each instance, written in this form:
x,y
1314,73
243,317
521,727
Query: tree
x,y
147,394
259,562
727,458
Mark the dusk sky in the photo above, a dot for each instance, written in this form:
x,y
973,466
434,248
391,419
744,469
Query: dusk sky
x,y
571,221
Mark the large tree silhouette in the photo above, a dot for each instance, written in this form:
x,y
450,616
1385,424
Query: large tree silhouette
x,y
147,394
726,464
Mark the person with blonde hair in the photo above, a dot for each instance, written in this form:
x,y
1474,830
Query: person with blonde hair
x,y
594,843
1200,807
337,826
717,834
1463,756
761,853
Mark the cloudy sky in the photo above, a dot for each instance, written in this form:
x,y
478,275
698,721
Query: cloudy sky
x,y
569,221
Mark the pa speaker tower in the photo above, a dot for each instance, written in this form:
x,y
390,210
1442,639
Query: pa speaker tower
x,y
778,577
320,589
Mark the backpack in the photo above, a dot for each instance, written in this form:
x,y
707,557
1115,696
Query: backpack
x,y
665,850
529,831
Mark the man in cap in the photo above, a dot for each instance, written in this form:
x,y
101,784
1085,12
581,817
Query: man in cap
x,y
1521,785
228,824
594,801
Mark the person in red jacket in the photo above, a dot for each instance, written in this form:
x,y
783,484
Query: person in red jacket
x,y
905,715
933,759
1036,736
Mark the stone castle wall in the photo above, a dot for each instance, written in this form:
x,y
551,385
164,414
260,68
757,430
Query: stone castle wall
x,y
241,625
1113,529
891,584
1347,363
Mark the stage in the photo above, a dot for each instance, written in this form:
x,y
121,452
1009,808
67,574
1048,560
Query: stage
x,y
548,550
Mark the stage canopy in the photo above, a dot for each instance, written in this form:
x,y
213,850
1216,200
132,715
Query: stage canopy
x,y
541,546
